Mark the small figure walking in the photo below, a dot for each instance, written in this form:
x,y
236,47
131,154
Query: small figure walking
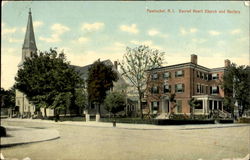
x,y
114,123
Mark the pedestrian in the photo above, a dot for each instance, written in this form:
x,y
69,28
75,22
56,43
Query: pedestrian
x,y
114,123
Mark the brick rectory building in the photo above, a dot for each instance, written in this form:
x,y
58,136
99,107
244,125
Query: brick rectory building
x,y
186,80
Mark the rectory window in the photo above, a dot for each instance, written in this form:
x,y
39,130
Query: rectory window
x,y
214,90
167,88
179,88
179,73
166,75
155,90
215,76
154,76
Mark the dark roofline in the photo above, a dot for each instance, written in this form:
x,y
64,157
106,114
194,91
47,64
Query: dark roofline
x,y
187,64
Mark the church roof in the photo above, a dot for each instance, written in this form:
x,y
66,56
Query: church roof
x,y
84,70
29,40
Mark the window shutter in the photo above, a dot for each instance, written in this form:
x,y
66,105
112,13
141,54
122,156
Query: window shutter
x,y
183,73
183,87
169,73
211,90
169,86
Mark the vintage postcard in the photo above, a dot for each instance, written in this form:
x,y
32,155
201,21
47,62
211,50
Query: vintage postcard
x,y
155,80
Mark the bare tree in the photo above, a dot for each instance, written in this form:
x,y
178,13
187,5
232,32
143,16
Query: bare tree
x,y
134,64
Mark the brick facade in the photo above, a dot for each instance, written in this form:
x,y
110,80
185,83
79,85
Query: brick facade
x,y
186,80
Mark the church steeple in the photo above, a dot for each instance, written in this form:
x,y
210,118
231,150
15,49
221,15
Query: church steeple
x,y
29,41
29,44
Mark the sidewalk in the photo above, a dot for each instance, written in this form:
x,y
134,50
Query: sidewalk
x,y
131,126
24,135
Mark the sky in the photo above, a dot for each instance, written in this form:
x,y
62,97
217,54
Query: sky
x,y
87,31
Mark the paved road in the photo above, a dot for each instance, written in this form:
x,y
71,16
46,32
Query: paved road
x,y
84,142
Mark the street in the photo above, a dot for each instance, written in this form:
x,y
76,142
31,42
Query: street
x,y
86,142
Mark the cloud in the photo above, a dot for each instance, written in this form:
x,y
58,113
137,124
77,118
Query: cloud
x,y
185,31
81,60
14,40
58,30
81,40
153,32
235,31
37,24
92,26
130,29
214,33
6,30
9,66
146,43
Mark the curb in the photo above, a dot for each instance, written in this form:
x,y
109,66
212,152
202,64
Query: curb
x,y
22,143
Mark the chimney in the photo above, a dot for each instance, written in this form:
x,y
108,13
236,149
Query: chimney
x,y
194,59
227,62
116,65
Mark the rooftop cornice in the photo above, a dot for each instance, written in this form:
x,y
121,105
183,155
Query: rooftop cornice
x,y
186,65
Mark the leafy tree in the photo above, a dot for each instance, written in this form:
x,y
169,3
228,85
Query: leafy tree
x,y
100,80
45,77
134,64
114,102
228,104
193,103
236,85
7,98
81,98
62,101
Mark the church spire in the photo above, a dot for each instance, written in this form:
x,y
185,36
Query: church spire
x,y
29,40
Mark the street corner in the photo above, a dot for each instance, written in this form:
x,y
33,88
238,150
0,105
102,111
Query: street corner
x,y
25,135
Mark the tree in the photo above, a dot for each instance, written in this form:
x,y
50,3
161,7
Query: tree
x,y
45,76
81,98
7,98
114,102
100,80
236,85
173,104
134,64
62,101
193,103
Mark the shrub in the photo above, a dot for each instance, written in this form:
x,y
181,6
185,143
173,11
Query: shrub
x,y
244,120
